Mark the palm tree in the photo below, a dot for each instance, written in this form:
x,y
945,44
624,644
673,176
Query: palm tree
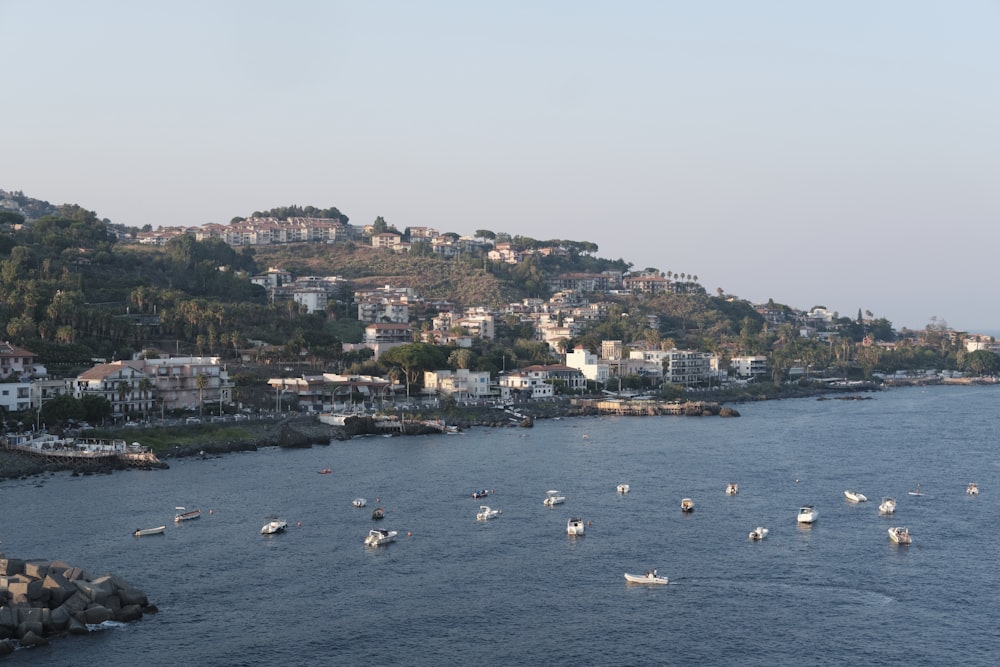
x,y
124,388
201,382
145,386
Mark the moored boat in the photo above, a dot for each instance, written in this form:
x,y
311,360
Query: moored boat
x,y
732,489
187,516
687,505
807,514
899,535
274,526
855,496
623,488
378,513
485,513
650,577
359,502
574,526
887,506
758,533
378,537
972,489
140,532
554,498
481,494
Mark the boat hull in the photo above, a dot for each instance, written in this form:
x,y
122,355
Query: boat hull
x,y
188,516
899,535
150,531
644,579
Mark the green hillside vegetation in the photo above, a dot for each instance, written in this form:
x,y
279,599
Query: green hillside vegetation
x,y
70,293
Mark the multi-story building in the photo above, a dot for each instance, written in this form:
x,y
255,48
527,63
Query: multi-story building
x,y
747,367
587,363
461,383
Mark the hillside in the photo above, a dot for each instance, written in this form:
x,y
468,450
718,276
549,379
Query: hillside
x,y
368,268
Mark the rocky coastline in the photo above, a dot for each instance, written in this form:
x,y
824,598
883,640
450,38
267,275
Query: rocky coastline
x,y
44,599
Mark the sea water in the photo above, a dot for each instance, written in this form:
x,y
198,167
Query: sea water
x,y
517,590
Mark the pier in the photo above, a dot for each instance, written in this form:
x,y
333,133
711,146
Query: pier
x,y
86,451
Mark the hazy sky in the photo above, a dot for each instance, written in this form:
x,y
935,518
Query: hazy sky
x,y
844,154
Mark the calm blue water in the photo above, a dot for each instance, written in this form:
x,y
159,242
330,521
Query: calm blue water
x,y
517,590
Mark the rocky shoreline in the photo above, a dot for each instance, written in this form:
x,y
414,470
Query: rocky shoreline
x,y
306,431
42,599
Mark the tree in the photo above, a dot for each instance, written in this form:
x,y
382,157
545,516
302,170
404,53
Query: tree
x,y
61,409
123,388
201,382
413,359
145,386
982,362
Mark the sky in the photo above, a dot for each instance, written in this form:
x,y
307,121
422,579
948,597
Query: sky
x,y
843,155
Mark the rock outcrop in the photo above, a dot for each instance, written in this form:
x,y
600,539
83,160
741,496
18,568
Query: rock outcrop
x,y
40,599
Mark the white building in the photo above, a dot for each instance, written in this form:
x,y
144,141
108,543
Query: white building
x,y
749,366
461,383
587,363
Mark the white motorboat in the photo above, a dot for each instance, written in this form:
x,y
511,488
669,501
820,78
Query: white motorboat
x,y
187,516
554,498
485,513
359,502
574,526
887,506
855,496
807,514
274,526
732,489
972,489
482,493
687,505
758,533
649,578
899,535
140,532
379,537
623,488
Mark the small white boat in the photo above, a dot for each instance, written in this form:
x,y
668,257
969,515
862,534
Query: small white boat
x,y
574,526
623,488
379,537
732,489
481,494
274,526
687,505
648,578
187,516
758,533
553,498
972,489
485,513
855,496
899,535
140,532
887,506
807,514
359,502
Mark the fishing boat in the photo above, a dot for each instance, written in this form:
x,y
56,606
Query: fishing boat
x,y
485,513
650,577
623,489
187,516
732,489
758,533
855,496
274,526
899,535
379,537
140,532
574,526
972,489
378,513
554,498
359,502
481,494
324,471
687,505
807,514
887,506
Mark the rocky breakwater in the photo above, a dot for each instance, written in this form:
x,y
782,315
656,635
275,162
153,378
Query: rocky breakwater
x,y
41,599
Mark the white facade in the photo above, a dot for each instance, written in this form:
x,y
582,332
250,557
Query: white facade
x,y
526,382
588,364
459,383
749,366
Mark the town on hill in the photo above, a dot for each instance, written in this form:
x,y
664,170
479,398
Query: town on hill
x,y
297,309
